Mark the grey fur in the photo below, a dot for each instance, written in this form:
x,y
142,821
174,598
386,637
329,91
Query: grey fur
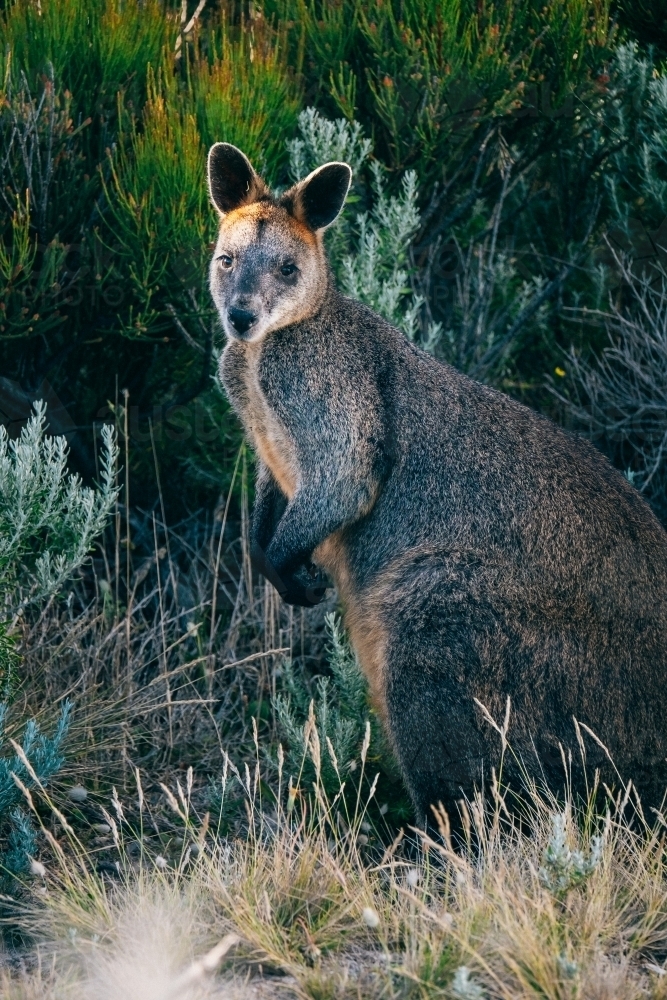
x,y
480,551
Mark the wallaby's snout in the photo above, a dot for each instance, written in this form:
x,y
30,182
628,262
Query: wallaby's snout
x,y
241,319
269,268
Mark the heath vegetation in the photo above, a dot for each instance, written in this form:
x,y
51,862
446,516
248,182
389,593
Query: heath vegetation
x,y
195,797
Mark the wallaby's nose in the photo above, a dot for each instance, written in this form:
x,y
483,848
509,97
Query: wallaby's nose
x,y
241,319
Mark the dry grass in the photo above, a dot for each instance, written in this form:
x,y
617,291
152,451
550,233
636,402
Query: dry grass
x,y
168,647
560,903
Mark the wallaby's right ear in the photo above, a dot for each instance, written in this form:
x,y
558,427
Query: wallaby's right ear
x,y
318,199
232,182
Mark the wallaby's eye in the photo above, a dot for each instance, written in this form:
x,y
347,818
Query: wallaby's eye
x,y
288,268
225,261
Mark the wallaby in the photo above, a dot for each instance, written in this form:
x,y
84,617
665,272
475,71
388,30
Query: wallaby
x,y
479,551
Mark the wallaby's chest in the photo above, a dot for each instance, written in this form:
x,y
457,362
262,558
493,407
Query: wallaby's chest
x,y
240,373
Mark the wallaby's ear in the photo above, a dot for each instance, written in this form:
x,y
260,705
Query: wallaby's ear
x,y
318,199
232,182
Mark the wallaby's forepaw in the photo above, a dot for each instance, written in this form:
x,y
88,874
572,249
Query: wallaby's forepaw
x,y
303,587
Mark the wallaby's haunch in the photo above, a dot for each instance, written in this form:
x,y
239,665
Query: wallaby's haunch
x,y
479,550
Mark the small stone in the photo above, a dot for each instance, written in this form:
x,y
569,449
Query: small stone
x,y
370,917
384,809
195,850
362,839
102,828
366,827
77,793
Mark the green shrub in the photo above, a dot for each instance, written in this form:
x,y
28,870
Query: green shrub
x,y
163,223
48,519
502,114
617,391
636,178
103,269
424,73
96,48
243,92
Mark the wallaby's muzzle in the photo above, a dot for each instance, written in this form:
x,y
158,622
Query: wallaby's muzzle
x,y
241,319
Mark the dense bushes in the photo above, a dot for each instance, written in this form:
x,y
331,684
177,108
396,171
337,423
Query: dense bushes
x,y
505,141
107,113
104,258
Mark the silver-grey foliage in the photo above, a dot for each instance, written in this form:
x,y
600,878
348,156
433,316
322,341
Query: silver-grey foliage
x,y
619,395
464,986
637,181
48,522
563,867
48,519
370,253
371,256
322,141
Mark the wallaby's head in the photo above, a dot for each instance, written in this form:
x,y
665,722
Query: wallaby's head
x,y
269,269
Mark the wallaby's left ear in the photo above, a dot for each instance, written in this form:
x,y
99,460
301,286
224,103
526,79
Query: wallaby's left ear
x,y
319,197
232,182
